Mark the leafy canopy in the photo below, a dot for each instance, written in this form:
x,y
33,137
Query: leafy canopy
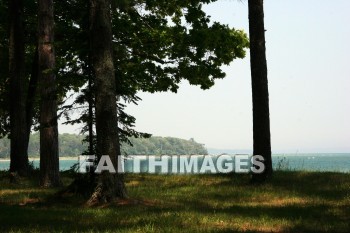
x,y
157,44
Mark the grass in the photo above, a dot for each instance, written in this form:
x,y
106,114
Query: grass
x,y
290,202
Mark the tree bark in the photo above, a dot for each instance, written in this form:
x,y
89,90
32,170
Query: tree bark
x,y
109,186
49,160
32,89
91,109
18,124
260,93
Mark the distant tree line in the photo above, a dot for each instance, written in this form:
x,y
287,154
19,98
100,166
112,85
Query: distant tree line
x,y
72,145
163,146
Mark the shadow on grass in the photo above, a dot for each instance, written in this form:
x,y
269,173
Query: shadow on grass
x,y
293,202
330,186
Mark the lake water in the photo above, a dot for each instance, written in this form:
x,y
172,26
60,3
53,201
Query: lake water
x,y
300,162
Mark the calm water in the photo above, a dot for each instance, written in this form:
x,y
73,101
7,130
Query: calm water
x,y
300,162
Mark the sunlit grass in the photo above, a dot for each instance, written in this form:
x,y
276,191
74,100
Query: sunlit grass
x,y
291,202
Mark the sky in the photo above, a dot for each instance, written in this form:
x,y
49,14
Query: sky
x,y
307,44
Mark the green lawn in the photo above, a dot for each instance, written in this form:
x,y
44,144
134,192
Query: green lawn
x,y
291,202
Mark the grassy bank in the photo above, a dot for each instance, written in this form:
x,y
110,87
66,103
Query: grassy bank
x,y
291,202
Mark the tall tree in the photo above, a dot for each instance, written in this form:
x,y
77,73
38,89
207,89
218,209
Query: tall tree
x,y
20,46
18,124
31,95
157,44
4,82
261,114
49,161
109,186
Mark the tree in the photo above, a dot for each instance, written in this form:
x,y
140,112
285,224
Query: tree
x,y
18,123
18,96
49,161
171,41
109,186
261,115
4,82
156,44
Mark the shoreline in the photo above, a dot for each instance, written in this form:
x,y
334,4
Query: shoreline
x,y
37,159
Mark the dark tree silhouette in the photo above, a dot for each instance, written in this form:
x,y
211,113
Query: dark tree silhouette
x,y
18,124
108,186
261,115
49,161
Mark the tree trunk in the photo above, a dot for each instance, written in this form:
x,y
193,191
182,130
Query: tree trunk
x,y
33,84
261,115
108,186
91,114
49,161
19,154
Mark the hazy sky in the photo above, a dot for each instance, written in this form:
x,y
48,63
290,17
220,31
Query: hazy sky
x,y
308,70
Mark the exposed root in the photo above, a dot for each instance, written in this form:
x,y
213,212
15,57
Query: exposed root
x,y
109,188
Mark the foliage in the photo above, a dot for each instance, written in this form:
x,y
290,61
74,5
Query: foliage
x,y
71,145
163,146
156,45
282,164
171,41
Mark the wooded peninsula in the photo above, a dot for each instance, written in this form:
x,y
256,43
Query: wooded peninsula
x,y
74,145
